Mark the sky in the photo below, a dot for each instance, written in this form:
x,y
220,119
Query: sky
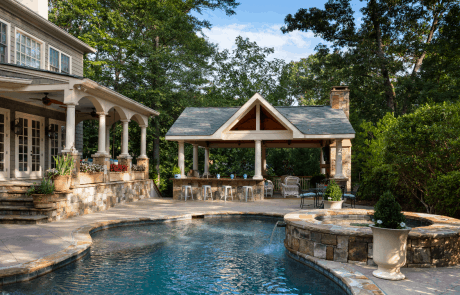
x,y
260,21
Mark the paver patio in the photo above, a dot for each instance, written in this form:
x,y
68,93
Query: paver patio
x,y
24,243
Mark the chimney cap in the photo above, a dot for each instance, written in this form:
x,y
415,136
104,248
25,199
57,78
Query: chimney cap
x,y
340,88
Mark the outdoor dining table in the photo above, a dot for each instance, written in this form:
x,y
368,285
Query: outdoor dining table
x,y
316,198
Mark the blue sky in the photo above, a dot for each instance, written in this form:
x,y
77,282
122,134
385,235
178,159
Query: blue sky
x,y
260,21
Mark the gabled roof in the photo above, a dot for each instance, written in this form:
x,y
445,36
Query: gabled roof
x,y
309,120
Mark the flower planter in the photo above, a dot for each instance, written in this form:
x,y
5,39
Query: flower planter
x,y
44,201
389,252
333,204
138,175
119,176
61,182
86,178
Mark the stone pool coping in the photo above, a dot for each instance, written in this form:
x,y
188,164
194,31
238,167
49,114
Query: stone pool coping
x,y
442,227
351,281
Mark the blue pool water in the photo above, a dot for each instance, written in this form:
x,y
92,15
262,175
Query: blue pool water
x,y
201,256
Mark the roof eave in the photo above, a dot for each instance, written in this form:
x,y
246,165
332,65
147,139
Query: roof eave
x,y
46,25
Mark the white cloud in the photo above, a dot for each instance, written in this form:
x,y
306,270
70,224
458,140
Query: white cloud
x,y
291,46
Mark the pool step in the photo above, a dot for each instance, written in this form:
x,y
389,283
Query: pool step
x,y
23,219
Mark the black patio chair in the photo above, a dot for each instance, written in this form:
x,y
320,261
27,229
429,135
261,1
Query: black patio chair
x,y
352,196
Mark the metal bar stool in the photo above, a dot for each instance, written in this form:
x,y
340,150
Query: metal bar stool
x,y
227,187
246,189
205,191
186,191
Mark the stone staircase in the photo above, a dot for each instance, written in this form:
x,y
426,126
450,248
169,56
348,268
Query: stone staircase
x,y
17,208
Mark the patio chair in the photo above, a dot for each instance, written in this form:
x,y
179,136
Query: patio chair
x,y
268,188
352,196
290,186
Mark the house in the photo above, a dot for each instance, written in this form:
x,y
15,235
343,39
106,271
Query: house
x,y
44,100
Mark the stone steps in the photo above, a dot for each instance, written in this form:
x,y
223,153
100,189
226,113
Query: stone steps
x,y
23,219
19,202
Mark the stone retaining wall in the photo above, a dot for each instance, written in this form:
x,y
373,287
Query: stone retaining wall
x,y
90,198
435,245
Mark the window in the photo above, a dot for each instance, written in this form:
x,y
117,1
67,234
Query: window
x,y
28,51
54,60
3,42
65,64
58,61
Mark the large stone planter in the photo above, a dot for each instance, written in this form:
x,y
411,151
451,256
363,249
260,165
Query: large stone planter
x,y
86,178
333,204
389,252
138,175
62,182
42,201
119,176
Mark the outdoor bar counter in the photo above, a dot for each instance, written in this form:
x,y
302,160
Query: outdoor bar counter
x,y
217,188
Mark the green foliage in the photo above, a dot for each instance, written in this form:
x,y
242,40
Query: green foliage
x,y
64,164
387,212
444,194
333,192
46,187
176,170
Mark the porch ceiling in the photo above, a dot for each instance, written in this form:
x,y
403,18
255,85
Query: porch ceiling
x,y
265,143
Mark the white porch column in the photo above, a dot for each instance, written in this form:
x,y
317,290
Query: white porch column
x,y
258,162
70,128
206,160
195,157
338,159
181,159
107,140
124,146
143,142
321,161
102,135
264,161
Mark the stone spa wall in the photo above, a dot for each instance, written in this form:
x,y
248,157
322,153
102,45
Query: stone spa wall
x,y
435,243
90,198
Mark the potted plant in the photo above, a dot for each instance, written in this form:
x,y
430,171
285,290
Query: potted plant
x,y
62,173
91,173
119,172
332,197
42,194
176,171
390,238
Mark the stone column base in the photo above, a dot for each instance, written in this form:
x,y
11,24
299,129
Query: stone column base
x,y
122,160
76,170
103,160
145,162
341,181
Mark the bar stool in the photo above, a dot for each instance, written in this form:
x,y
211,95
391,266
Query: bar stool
x,y
205,191
246,190
191,192
227,187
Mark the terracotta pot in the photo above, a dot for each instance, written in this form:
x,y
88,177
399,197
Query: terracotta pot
x,y
61,182
389,252
42,201
333,204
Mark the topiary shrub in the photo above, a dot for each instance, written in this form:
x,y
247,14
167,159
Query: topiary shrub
x,y
388,212
333,192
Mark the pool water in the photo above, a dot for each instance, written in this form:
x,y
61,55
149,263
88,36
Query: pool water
x,y
200,256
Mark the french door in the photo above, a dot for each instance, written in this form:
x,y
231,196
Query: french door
x,y
56,140
29,146
4,144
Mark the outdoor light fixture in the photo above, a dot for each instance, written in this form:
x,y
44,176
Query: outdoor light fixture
x,y
16,127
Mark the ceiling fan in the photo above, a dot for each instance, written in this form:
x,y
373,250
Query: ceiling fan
x,y
47,101
94,114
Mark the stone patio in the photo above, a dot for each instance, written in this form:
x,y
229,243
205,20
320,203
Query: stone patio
x,y
35,247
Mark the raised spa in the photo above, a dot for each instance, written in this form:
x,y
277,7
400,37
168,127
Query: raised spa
x,y
344,236
200,256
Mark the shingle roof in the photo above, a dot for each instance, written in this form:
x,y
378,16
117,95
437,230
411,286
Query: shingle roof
x,y
317,119
200,121
313,120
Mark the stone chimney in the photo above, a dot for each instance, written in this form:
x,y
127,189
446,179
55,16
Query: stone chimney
x,y
340,99
38,6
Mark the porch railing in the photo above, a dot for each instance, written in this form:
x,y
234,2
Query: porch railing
x,y
304,182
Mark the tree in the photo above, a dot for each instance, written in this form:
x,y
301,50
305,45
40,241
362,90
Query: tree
x,y
392,41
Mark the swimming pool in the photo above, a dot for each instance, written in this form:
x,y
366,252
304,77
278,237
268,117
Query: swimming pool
x,y
199,256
